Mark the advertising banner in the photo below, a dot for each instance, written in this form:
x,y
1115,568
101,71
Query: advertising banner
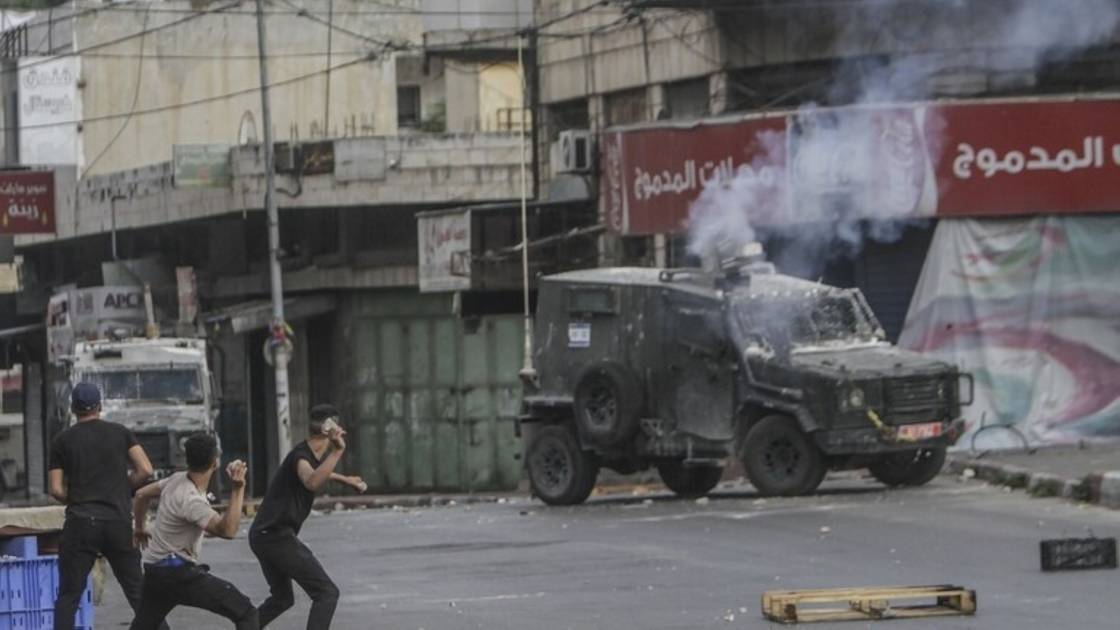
x,y
1029,307
978,159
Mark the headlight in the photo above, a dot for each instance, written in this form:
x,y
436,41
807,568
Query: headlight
x,y
855,398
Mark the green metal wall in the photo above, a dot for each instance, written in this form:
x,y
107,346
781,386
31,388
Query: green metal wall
x,y
435,397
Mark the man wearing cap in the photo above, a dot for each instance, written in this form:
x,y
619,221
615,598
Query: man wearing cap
x,y
286,505
89,472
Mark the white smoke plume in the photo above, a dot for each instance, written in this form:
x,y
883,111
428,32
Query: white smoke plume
x,y
853,173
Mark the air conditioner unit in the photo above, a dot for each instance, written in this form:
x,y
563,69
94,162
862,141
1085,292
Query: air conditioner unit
x,y
574,152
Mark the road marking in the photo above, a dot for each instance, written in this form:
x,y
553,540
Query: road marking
x,y
484,598
737,516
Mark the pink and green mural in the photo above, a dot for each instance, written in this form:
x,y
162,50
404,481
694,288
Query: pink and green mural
x,y
1032,308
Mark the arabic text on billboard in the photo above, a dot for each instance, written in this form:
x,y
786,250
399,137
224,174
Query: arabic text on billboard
x,y
967,159
27,202
49,110
201,165
445,244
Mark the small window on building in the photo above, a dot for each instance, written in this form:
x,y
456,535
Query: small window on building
x,y
567,115
408,106
687,99
626,107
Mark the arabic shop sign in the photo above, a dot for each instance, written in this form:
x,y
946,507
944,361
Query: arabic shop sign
x,y
445,246
1030,158
201,165
974,159
27,202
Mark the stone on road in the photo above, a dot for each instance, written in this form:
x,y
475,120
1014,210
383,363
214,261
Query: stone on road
x,y
629,563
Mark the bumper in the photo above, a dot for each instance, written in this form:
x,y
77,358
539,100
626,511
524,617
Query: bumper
x,y
868,441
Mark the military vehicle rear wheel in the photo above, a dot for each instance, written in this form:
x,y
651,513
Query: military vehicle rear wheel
x,y
689,481
909,468
607,403
780,459
560,472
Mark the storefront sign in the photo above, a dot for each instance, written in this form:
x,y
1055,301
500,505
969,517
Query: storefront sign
x,y
971,159
201,165
49,110
27,202
445,245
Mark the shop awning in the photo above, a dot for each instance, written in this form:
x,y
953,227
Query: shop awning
x,y
257,315
16,331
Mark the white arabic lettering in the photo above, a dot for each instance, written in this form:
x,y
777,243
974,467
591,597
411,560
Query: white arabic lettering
x,y
989,162
693,178
26,211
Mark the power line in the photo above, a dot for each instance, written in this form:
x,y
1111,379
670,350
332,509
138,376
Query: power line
x,y
125,38
203,100
455,46
173,106
226,56
132,108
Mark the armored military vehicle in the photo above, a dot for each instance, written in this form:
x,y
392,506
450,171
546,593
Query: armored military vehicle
x,y
683,369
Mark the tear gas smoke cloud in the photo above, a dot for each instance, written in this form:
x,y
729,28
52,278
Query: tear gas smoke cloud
x,y
840,190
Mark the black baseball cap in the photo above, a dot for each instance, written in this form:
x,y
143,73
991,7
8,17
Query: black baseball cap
x,y
319,413
85,397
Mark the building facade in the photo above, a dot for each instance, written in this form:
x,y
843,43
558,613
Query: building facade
x,y
149,160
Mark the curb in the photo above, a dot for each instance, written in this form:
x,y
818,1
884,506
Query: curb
x,y
1101,489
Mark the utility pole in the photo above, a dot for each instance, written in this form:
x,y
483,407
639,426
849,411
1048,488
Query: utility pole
x,y
528,372
278,341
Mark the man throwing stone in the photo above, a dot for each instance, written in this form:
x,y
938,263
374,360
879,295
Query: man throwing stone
x,y
89,472
173,575
273,536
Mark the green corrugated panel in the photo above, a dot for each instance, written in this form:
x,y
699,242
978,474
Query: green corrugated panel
x,y
448,447
436,397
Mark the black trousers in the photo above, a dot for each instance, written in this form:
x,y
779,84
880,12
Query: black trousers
x,y
191,585
283,559
83,539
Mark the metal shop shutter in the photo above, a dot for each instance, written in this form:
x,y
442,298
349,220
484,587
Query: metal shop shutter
x,y
887,273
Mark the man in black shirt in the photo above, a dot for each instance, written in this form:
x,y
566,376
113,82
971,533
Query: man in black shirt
x,y
89,472
285,507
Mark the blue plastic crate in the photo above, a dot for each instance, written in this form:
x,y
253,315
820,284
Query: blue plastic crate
x,y
15,585
20,547
28,589
15,621
43,574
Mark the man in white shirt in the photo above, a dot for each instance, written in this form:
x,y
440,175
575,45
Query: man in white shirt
x,y
173,575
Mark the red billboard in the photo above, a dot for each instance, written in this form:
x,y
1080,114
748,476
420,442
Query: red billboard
x,y
27,202
988,158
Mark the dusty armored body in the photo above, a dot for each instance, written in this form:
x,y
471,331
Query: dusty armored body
x,y
682,369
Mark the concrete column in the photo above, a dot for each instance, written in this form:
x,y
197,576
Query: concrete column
x,y
596,112
719,84
657,107
660,251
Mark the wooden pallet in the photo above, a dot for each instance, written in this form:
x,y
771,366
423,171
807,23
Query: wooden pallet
x,y
863,604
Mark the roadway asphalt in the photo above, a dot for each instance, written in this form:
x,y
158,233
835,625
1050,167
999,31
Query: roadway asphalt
x,y
659,562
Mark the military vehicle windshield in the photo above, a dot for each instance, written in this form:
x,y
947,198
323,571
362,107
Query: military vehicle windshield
x,y
179,385
801,316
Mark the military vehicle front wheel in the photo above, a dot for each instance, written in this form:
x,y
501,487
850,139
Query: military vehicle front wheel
x,y
780,459
909,468
560,472
689,481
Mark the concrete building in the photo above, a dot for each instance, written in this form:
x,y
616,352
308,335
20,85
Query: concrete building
x,y
380,111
